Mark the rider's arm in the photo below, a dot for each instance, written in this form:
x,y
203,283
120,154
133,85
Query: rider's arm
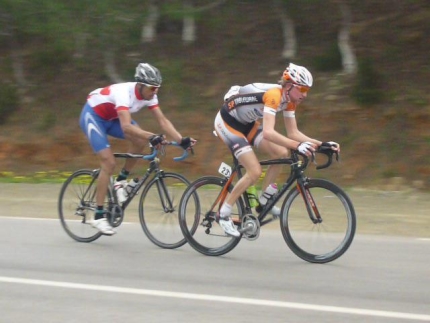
x,y
269,133
166,125
294,133
129,129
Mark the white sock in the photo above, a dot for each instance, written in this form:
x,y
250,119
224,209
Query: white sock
x,y
225,210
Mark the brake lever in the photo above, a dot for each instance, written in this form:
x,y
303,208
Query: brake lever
x,y
313,158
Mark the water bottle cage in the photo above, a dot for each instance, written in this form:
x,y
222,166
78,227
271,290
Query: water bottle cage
x,y
267,196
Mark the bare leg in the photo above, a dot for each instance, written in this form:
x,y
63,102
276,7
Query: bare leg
x,y
107,166
137,146
253,171
107,162
274,151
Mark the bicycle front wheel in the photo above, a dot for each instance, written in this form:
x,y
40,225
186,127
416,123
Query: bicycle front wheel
x,y
158,209
76,205
318,238
197,217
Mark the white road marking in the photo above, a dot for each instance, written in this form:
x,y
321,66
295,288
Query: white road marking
x,y
214,298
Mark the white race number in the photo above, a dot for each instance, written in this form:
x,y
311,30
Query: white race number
x,y
224,170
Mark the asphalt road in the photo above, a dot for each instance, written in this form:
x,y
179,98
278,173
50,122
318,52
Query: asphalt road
x,y
47,277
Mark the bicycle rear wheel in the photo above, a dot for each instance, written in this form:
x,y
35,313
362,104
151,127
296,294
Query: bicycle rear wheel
x,y
158,210
197,217
76,205
324,241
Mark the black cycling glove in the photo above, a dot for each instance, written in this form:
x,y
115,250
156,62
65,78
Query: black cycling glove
x,y
185,143
156,140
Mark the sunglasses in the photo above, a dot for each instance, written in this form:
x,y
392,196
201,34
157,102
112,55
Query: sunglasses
x,y
152,88
302,89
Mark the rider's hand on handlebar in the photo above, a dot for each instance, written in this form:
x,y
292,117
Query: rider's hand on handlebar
x,y
187,143
333,145
306,148
157,140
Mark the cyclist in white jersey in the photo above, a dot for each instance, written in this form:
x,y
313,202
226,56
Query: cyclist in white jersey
x,y
108,112
237,125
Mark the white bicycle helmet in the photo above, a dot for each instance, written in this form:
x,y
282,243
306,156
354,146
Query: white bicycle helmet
x,y
148,75
298,75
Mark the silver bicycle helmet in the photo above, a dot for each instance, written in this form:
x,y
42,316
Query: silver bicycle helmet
x,y
148,75
298,75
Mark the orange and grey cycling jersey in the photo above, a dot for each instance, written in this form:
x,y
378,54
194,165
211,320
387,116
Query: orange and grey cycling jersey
x,y
247,103
237,122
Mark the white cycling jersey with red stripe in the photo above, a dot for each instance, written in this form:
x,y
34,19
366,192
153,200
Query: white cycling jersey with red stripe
x,y
107,101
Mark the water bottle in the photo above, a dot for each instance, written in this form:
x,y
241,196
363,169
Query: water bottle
x,y
120,192
252,196
130,186
268,193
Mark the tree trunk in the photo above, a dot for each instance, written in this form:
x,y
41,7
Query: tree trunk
x,y
349,61
15,51
149,29
80,44
189,26
289,35
110,67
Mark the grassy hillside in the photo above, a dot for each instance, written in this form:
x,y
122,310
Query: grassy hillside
x,y
238,43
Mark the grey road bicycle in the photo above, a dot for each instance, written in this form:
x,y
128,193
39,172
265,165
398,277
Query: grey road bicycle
x,y
158,204
317,217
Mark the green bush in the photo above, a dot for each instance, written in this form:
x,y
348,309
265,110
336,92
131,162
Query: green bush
x,y
368,86
48,60
9,101
331,60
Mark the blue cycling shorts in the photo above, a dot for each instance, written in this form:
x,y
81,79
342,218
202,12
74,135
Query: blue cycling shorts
x,y
97,129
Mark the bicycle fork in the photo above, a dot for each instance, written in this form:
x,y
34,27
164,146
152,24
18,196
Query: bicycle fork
x,y
309,201
164,195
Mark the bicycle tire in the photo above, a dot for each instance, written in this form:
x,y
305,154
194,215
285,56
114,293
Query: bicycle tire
x,y
196,202
318,242
159,219
76,205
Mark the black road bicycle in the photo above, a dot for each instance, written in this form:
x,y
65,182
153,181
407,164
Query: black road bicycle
x,y
317,217
158,203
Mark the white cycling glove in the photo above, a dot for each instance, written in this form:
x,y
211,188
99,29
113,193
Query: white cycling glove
x,y
305,148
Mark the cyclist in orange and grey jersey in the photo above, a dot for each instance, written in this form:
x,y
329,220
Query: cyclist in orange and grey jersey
x,y
238,126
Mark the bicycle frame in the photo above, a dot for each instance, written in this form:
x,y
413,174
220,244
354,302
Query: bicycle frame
x,y
296,175
153,168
